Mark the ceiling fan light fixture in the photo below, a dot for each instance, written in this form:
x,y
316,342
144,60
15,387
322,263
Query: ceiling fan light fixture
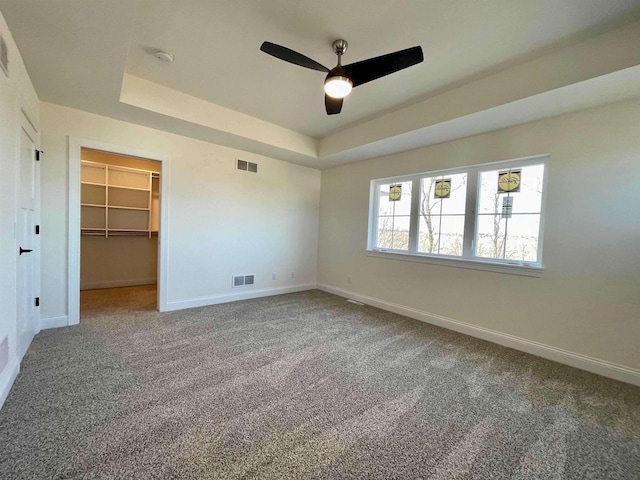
x,y
338,86
340,80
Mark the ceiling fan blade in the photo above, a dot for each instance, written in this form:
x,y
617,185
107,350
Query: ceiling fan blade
x,y
288,55
367,70
333,105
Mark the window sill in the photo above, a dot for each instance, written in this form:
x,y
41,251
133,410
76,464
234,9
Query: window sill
x,y
511,269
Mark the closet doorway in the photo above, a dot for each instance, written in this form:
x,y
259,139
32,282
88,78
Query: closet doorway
x,y
117,217
119,226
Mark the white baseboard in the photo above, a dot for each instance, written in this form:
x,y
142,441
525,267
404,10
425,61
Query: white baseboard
x,y
118,283
54,322
7,377
234,297
577,360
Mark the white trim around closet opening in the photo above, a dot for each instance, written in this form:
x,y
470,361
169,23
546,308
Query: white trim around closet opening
x,y
73,274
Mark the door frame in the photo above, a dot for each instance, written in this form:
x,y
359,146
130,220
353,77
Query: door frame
x,y
75,157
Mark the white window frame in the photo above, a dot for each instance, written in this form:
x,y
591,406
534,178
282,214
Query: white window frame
x,y
468,258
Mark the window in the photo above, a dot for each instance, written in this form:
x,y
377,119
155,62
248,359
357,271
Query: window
x,y
394,216
478,217
442,210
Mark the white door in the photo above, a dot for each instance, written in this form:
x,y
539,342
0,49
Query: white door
x,y
27,244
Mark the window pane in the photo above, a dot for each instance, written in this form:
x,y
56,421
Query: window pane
x,y
429,234
456,203
394,210
385,207
401,233
443,235
402,206
514,238
429,205
490,236
522,237
529,198
451,235
490,200
509,221
385,232
445,194
442,209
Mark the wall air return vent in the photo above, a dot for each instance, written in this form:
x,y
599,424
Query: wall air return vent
x,y
4,56
243,280
246,166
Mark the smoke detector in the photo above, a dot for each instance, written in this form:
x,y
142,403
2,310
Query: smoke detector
x,y
164,56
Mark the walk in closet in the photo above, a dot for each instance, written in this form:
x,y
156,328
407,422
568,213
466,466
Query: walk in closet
x,y
119,220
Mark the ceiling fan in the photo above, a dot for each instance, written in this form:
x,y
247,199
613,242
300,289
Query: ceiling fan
x,y
341,79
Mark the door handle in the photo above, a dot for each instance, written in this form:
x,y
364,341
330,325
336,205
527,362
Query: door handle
x,y
25,250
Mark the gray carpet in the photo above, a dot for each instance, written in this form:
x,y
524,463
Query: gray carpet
x,y
302,386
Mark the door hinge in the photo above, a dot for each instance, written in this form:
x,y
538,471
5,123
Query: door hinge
x,y
38,152
37,301
37,229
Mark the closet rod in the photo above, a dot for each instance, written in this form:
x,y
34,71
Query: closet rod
x,y
122,234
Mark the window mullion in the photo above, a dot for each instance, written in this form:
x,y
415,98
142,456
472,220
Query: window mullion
x,y
470,214
416,195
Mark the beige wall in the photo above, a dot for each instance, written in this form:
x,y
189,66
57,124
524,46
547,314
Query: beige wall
x,y
119,261
18,100
221,221
588,299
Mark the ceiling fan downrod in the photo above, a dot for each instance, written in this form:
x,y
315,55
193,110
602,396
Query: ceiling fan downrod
x,y
340,48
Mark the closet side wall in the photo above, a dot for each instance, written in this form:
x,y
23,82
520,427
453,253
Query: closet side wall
x,y
119,261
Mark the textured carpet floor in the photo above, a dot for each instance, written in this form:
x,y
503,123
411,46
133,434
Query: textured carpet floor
x,y
302,386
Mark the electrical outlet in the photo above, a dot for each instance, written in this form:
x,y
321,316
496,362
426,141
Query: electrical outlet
x,y
348,278
293,274
273,276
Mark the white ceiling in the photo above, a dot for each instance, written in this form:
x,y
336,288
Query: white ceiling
x,y
217,56
77,53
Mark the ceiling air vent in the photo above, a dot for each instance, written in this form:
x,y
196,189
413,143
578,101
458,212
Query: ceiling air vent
x,y
4,56
246,166
243,280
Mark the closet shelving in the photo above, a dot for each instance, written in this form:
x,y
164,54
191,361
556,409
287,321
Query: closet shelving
x,y
118,201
